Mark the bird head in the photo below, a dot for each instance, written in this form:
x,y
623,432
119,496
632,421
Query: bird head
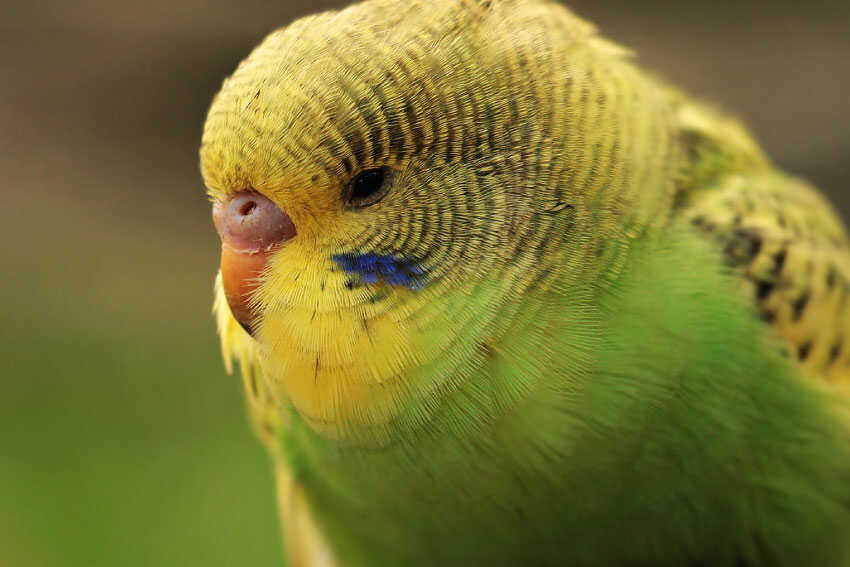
x,y
388,182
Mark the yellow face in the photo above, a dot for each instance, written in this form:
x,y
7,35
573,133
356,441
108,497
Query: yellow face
x,y
334,121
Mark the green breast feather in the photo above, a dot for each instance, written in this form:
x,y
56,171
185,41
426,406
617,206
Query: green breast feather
x,y
682,437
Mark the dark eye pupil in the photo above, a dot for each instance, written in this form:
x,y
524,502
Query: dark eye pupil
x,y
366,187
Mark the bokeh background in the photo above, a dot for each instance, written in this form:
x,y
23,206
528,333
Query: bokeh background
x,y
122,441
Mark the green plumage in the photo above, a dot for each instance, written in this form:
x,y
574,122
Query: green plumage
x,y
585,377
681,438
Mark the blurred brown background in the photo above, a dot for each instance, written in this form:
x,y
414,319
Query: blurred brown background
x,y
122,442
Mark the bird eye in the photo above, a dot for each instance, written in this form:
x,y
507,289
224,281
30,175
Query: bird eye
x,y
367,187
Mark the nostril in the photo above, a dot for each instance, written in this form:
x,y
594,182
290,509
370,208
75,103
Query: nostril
x,y
247,208
251,221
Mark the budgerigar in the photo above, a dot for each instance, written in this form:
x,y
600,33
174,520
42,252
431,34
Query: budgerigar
x,y
501,297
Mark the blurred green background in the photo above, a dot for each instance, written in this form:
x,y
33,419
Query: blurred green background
x,y
122,441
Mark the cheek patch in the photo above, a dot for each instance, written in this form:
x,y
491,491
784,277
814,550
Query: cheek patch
x,y
371,268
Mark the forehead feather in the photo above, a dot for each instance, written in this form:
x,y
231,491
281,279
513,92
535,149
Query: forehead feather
x,y
306,96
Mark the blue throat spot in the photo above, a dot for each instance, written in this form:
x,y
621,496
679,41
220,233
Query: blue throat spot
x,y
372,268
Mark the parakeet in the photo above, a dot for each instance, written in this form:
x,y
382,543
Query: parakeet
x,y
501,297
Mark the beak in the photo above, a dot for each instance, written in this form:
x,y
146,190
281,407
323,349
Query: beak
x,y
251,228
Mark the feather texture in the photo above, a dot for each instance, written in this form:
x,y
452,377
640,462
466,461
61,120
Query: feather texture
x,y
536,347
